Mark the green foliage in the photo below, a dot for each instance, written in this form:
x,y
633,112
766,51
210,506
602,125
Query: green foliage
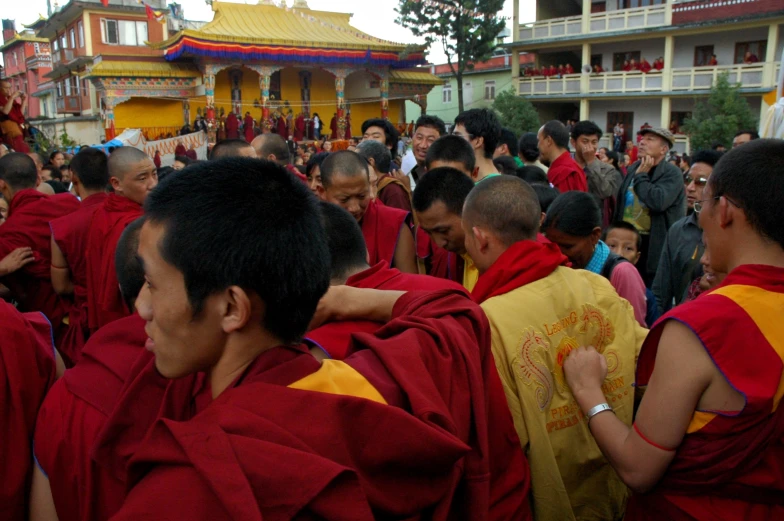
x,y
720,117
45,146
516,113
467,30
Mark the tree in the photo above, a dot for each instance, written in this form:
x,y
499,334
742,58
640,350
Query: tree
x,y
516,113
720,117
467,30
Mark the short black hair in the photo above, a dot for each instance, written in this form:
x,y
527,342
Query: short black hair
x,y
346,163
251,224
164,171
482,123
546,195
228,148
505,165
751,132
509,139
557,131
716,144
709,157
53,154
272,144
315,161
127,266
347,249
91,166
531,174
575,213
615,159
431,121
391,135
453,149
448,185
508,206
57,186
529,146
18,170
586,128
623,225
185,160
751,177
378,152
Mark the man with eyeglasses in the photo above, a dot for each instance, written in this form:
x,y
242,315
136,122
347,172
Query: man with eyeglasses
x,y
679,263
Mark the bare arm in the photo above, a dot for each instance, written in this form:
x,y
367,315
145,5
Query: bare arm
x,y
10,103
347,303
41,501
16,260
61,275
405,251
683,371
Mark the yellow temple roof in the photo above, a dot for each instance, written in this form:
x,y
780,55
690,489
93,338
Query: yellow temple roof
x,y
415,77
142,69
272,25
22,38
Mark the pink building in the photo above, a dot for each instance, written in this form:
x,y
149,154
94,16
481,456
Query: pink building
x,y
27,59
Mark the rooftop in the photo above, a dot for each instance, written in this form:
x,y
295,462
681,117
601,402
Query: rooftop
x,y
107,68
21,38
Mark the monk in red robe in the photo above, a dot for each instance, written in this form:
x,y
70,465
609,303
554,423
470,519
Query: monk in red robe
x,y
715,451
247,127
645,66
299,127
281,127
348,126
27,371
255,412
345,181
27,226
232,126
67,480
69,247
132,175
333,127
12,117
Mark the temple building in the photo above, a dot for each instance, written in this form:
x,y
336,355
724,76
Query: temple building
x,y
274,62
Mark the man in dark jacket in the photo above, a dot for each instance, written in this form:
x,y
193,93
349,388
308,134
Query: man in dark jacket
x,y
652,197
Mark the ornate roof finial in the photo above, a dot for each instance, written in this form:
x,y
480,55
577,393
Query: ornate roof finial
x,y
300,4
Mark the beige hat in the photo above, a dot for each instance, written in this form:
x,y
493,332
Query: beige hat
x,y
663,133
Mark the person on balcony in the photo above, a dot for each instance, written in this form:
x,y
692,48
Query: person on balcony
x,y
568,69
658,64
552,70
750,57
627,66
713,61
645,66
598,69
561,70
633,65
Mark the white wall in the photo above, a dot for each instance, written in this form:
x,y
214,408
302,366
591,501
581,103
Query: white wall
x,y
723,45
650,49
644,110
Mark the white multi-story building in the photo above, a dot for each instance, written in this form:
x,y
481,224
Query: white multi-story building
x,y
689,35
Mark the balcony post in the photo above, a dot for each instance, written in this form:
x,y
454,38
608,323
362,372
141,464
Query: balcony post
x,y
516,20
585,79
668,12
586,16
769,73
666,112
585,109
669,55
515,64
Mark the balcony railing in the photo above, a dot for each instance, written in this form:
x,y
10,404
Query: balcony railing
x,y
620,20
62,56
39,60
755,76
69,104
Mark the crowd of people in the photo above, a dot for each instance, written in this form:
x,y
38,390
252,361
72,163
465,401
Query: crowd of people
x,y
519,327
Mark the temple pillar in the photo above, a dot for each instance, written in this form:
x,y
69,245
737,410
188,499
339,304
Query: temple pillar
x,y
265,73
109,103
340,88
209,109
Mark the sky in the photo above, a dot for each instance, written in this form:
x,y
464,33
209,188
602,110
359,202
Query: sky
x,y
375,17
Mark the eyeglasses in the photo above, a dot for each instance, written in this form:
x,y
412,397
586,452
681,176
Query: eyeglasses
x,y
699,181
698,205
467,137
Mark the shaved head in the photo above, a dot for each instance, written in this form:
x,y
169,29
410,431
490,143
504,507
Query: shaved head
x,y
37,159
506,206
46,189
345,163
232,148
123,159
267,145
18,171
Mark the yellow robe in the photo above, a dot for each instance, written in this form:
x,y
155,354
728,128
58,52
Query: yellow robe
x,y
470,273
533,329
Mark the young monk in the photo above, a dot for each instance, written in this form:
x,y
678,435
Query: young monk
x,y
508,486
27,370
132,175
27,226
707,439
221,304
67,483
538,311
345,181
69,247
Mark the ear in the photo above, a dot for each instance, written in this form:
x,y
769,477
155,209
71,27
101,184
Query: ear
x,y
322,193
238,309
574,145
272,158
482,238
637,258
541,220
726,213
480,144
596,233
115,183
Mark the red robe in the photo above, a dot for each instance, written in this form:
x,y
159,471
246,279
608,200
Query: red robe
x,y
392,193
180,150
157,160
70,234
104,301
565,174
333,127
29,214
73,414
299,128
191,154
27,370
281,128
232,126
728,466
348,127
17,116
658,65
248,128
286,452
296,173
645,66
381,227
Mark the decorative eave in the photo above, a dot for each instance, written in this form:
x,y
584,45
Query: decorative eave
x,y
37,24
107,69
19,38
414,77
64,68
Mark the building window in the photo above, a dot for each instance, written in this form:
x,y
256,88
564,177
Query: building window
x,y
446,96
72,38
59,90
55,45
625,118
67,87
620,57
630,4
702,55
123,32
80,28
63,42
757,49
490,90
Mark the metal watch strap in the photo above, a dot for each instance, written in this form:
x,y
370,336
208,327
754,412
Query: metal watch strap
x,y
598,409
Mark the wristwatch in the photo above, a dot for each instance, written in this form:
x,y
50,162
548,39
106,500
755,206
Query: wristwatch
x,y
597,410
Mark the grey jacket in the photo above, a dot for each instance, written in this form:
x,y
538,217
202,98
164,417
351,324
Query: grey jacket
x,y
603,179
662,192
679,264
